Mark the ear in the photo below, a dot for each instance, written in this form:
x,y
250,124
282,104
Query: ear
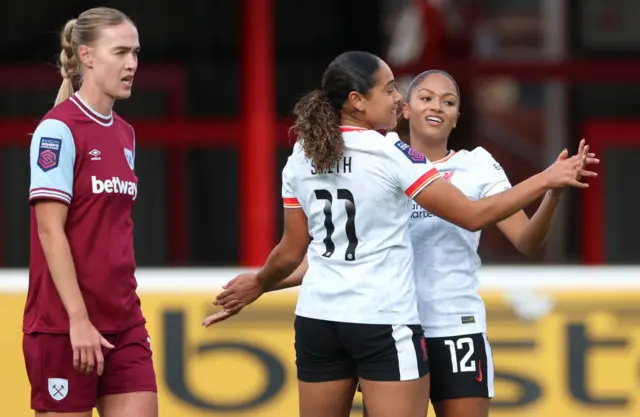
x,y
357,101
455,122
85,56
405,110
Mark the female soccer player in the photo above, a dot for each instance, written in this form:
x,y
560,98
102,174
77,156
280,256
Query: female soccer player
x,y
85,341
343,185
446,261
452,312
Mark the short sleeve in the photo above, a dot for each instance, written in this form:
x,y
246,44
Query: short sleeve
x,y
289,198
493,179
410,169
51,158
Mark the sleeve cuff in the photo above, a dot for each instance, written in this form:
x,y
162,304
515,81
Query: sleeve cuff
x,y
49,194
291,202
424,180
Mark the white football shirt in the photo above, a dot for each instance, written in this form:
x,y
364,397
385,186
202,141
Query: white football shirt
x,y
446,257
360,255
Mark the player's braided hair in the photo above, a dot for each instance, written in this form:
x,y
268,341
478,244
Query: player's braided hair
x,y
82,31
317,122
403,128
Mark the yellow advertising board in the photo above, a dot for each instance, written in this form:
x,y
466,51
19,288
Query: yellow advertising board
x,y
580,359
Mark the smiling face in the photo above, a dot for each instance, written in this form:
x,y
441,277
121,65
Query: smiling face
x,y
379,107
433,106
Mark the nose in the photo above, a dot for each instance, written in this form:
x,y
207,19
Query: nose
x,y
397,97
132,62
435,106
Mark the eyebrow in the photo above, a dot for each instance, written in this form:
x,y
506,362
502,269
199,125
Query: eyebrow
x,y
448,93
126,48
390,82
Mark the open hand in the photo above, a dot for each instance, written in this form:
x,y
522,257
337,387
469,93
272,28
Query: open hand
x,y
568,171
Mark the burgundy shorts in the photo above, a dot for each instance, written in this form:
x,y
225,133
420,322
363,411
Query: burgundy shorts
x,y
57,387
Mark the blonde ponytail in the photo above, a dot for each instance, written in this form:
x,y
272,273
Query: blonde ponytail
x,y
69,68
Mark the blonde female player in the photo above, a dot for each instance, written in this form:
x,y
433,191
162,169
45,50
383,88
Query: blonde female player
x,y
85,342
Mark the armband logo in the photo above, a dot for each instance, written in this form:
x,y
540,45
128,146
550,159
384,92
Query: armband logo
x,y
49,153
413,155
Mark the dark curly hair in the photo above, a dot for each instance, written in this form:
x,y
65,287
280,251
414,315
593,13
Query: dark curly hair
x,y
317,114
403,127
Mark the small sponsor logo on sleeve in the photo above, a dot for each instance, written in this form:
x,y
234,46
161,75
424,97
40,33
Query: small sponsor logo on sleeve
x,y
413,155
49,153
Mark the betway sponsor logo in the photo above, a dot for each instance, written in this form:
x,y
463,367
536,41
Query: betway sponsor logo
x,y
114,186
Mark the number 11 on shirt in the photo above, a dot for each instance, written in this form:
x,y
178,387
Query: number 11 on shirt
x,y
350,226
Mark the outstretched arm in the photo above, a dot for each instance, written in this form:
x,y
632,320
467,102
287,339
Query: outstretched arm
x,y
447,202
528,235
293,280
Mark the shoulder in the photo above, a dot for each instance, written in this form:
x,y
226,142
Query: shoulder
x,y
296,160
481,154
52,141
396,148
120,122
52,134
66,112
65,119
123,127
117,119
486,168
483,158
297,153
52,126
297,149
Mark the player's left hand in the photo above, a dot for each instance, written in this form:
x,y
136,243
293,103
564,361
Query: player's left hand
x,y
588,158
239,292
218,317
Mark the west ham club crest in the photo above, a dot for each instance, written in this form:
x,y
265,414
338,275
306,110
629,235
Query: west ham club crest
x,y
129,155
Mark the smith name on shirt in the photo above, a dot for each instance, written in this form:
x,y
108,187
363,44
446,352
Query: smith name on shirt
x,y
342,166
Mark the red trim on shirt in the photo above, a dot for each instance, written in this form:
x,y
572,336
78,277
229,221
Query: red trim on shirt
x,y
421,182
345,129
291,202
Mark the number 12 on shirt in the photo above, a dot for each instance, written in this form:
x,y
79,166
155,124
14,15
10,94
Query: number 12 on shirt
x,y
350,225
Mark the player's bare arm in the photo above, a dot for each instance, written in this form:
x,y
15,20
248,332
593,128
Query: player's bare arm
x,y
295,279
51,217
289,253
529,235
282,261
449,203
87,347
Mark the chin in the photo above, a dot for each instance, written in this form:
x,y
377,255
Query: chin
x,y
122,95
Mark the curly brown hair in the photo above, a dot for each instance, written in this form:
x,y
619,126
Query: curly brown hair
x,y
317,125
318,113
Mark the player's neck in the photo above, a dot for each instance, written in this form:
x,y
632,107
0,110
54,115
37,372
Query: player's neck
x,y
96,99
349,121
434,151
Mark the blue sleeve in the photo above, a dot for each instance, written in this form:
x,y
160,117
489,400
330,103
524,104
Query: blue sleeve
x,y
52,156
